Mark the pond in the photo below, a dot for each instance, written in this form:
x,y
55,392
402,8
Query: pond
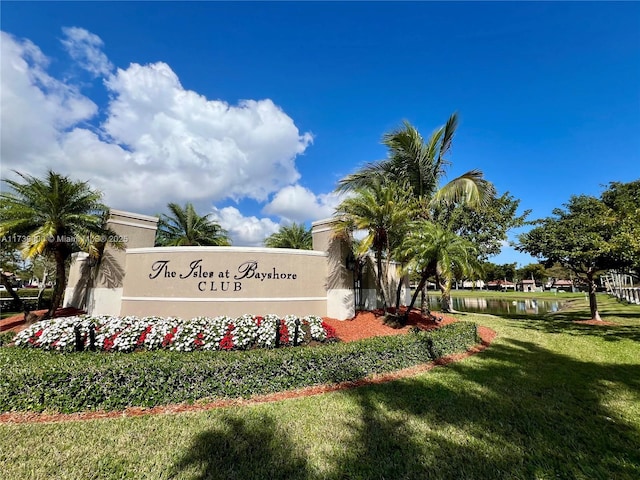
x,y
499,306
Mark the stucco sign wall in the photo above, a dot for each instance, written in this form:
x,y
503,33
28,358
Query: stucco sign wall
x,y
192,281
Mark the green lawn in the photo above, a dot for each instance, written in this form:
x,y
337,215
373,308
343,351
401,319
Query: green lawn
x,y
513,295
25,293
548,399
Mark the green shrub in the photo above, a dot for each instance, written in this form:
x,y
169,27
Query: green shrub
x,y
6,338
35,380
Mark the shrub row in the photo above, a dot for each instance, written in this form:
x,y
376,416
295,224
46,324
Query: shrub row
x,y
33,380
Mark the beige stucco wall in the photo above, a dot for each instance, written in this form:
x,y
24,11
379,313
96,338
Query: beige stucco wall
x,y
135,231
98,289
211,281
340,296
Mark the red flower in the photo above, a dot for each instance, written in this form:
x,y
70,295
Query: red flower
x,y
38,333
227,342
168,339
284,333
143,335
109,341
258,320
329,330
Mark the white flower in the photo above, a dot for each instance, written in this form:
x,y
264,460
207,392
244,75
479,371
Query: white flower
x,y
126,334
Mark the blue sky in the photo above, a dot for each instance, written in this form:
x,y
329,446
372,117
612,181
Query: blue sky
x,y
254,110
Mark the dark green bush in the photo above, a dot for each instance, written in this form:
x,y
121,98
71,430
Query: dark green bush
x,y
6,338
35,380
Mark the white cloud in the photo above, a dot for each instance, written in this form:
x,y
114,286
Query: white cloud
x,y
35,108
159,143
86,49
244,231
299,204
211,149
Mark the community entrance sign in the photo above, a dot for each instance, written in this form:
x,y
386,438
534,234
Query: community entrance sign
x,y
186,282
192,281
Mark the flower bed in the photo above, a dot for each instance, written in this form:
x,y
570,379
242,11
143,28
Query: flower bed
x,y
34,380
128,334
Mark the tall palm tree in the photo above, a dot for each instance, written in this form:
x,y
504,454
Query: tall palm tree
x,y
291,236
184,227
383,209
422,165
54,216
437,252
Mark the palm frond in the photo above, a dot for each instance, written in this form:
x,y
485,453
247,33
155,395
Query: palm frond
x,y
467,189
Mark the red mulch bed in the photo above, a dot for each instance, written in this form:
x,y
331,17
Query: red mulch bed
x,y
371,324
363,325
594,322
16,323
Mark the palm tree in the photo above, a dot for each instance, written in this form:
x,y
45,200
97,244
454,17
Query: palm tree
x,y
184,227
383,209
435,251
422,165
292,236
54,216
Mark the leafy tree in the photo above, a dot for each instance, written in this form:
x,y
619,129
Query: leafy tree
x,y
486,227
579,238
494,271
184,227
55,216
438,252
535,271
291,236
624,201
558,272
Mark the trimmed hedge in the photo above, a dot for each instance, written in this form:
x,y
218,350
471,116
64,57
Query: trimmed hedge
x,y
33,380
6,338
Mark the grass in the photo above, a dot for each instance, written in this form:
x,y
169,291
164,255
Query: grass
x,y
549,399
25,293
509,295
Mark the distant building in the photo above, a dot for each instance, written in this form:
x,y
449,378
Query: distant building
x,y
562,285
473,284
503,285
527,286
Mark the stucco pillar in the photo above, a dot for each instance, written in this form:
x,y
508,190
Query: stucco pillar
x,y
340,295
98,288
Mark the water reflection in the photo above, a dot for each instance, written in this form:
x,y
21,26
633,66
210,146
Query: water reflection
x,y
498,306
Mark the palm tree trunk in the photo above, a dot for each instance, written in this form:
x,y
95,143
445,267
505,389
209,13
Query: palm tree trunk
x,y
593,302
41,287
445,300
61,283
423,281
398,292
379,276
18,301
